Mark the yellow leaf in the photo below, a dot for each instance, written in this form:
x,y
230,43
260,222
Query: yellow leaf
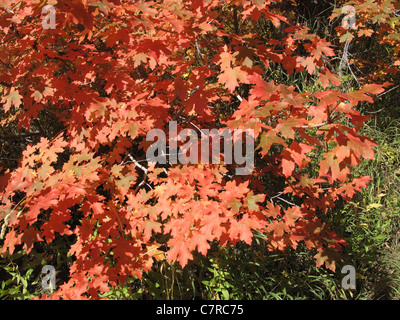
x,y
152,251
374,206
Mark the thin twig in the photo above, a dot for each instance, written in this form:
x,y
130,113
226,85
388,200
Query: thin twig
x,y
288,202
277,195
137,163
199,52
383,93
315,125
346,60
222,10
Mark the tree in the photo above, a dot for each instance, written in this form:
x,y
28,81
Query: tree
x,y
111,71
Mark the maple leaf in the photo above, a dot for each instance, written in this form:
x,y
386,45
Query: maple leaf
x,y
244,56
139,59
149,227
242,229
361,146
230,77
251,200
288,164
37,96
102,6
13,98
372,88
10,241
366,32
56,223
308,63
287,126
152,250
289,63
179,252
291,214
278,228
346,37
261,89
328,256
225,59
321,46
274,18
273,211
328,77
338,169
97,208
267,140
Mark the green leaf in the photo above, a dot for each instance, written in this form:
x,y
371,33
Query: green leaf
x,y
346,36
24,282
252,201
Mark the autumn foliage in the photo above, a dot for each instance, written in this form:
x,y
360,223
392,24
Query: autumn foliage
x,y
113,70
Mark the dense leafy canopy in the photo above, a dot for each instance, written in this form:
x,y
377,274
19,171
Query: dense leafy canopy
x,y
113,70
